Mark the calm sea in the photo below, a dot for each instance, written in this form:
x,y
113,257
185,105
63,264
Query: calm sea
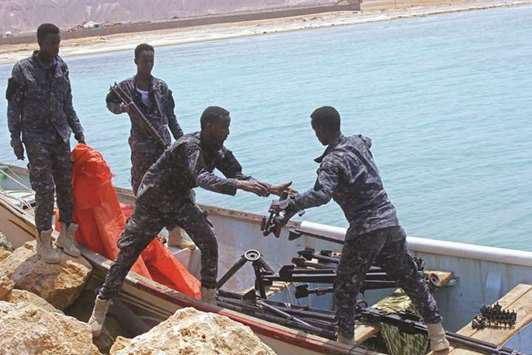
x,y
446,100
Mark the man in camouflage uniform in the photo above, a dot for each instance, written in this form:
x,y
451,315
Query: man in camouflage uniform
x,y
153,97
348,174
40,118
155,101
164,197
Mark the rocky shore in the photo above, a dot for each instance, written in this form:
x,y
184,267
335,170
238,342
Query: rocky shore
x,y
33,296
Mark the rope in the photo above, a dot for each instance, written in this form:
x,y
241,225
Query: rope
x,y
19,182
15,179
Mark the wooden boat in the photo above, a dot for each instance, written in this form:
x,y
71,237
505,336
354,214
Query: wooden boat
x,y
480,275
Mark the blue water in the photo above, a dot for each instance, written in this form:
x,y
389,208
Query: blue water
x,y
446,100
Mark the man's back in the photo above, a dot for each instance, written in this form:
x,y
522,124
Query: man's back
x,y
360,191
169,176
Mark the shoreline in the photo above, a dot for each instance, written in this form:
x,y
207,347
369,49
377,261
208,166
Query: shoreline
x,y
10,53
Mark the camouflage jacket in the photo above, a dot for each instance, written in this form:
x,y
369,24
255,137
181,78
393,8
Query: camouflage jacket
x,y
161,116
40,102
348,174
189,163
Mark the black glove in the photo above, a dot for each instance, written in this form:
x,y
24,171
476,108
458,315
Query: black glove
x,y
18,148
80,137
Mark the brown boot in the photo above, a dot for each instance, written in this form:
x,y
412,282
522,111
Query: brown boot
x,y
45,250
66,239
208,295
347,340
99,312
438,342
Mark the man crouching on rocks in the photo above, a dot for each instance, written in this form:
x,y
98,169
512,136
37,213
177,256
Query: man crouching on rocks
x,y
164,198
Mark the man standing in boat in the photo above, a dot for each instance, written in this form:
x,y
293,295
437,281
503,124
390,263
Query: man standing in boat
x,y
348,174
153,97
41,118
164,197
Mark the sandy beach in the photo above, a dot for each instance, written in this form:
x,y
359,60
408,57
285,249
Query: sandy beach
x,y
125,41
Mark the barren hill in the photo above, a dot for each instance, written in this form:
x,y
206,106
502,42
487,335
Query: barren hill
x,y
25,15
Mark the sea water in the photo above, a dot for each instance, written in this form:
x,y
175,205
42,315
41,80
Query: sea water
x,y
446,100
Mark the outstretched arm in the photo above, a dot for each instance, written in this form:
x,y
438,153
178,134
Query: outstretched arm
x,y
203,177
280,188
326,183
231,168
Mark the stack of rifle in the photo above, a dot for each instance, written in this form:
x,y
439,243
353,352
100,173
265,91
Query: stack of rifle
x,y
312,267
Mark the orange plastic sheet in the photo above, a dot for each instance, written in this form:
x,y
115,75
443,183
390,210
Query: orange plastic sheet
x,y
102,218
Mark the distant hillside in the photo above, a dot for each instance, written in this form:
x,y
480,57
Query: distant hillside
x,y
25,15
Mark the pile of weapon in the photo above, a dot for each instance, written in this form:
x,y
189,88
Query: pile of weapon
x,y
494,316
311,267
255,301
320,267
304,270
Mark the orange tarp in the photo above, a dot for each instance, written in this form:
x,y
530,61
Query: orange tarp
x,y
102,218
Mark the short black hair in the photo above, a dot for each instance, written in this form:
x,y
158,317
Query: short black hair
x,y
326,117
46,28
212,114
143,47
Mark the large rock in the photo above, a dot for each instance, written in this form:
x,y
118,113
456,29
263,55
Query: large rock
x,y
6,285
59,284
5,247
21,296
120,344
4,253
120,321
5,243
28,329
191,332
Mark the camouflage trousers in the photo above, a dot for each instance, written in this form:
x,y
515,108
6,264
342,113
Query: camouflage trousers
x,y
386,248
144,225
141,161
50,168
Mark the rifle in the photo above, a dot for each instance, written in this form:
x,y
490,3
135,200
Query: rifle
x,y
278,217
126,98
323,323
